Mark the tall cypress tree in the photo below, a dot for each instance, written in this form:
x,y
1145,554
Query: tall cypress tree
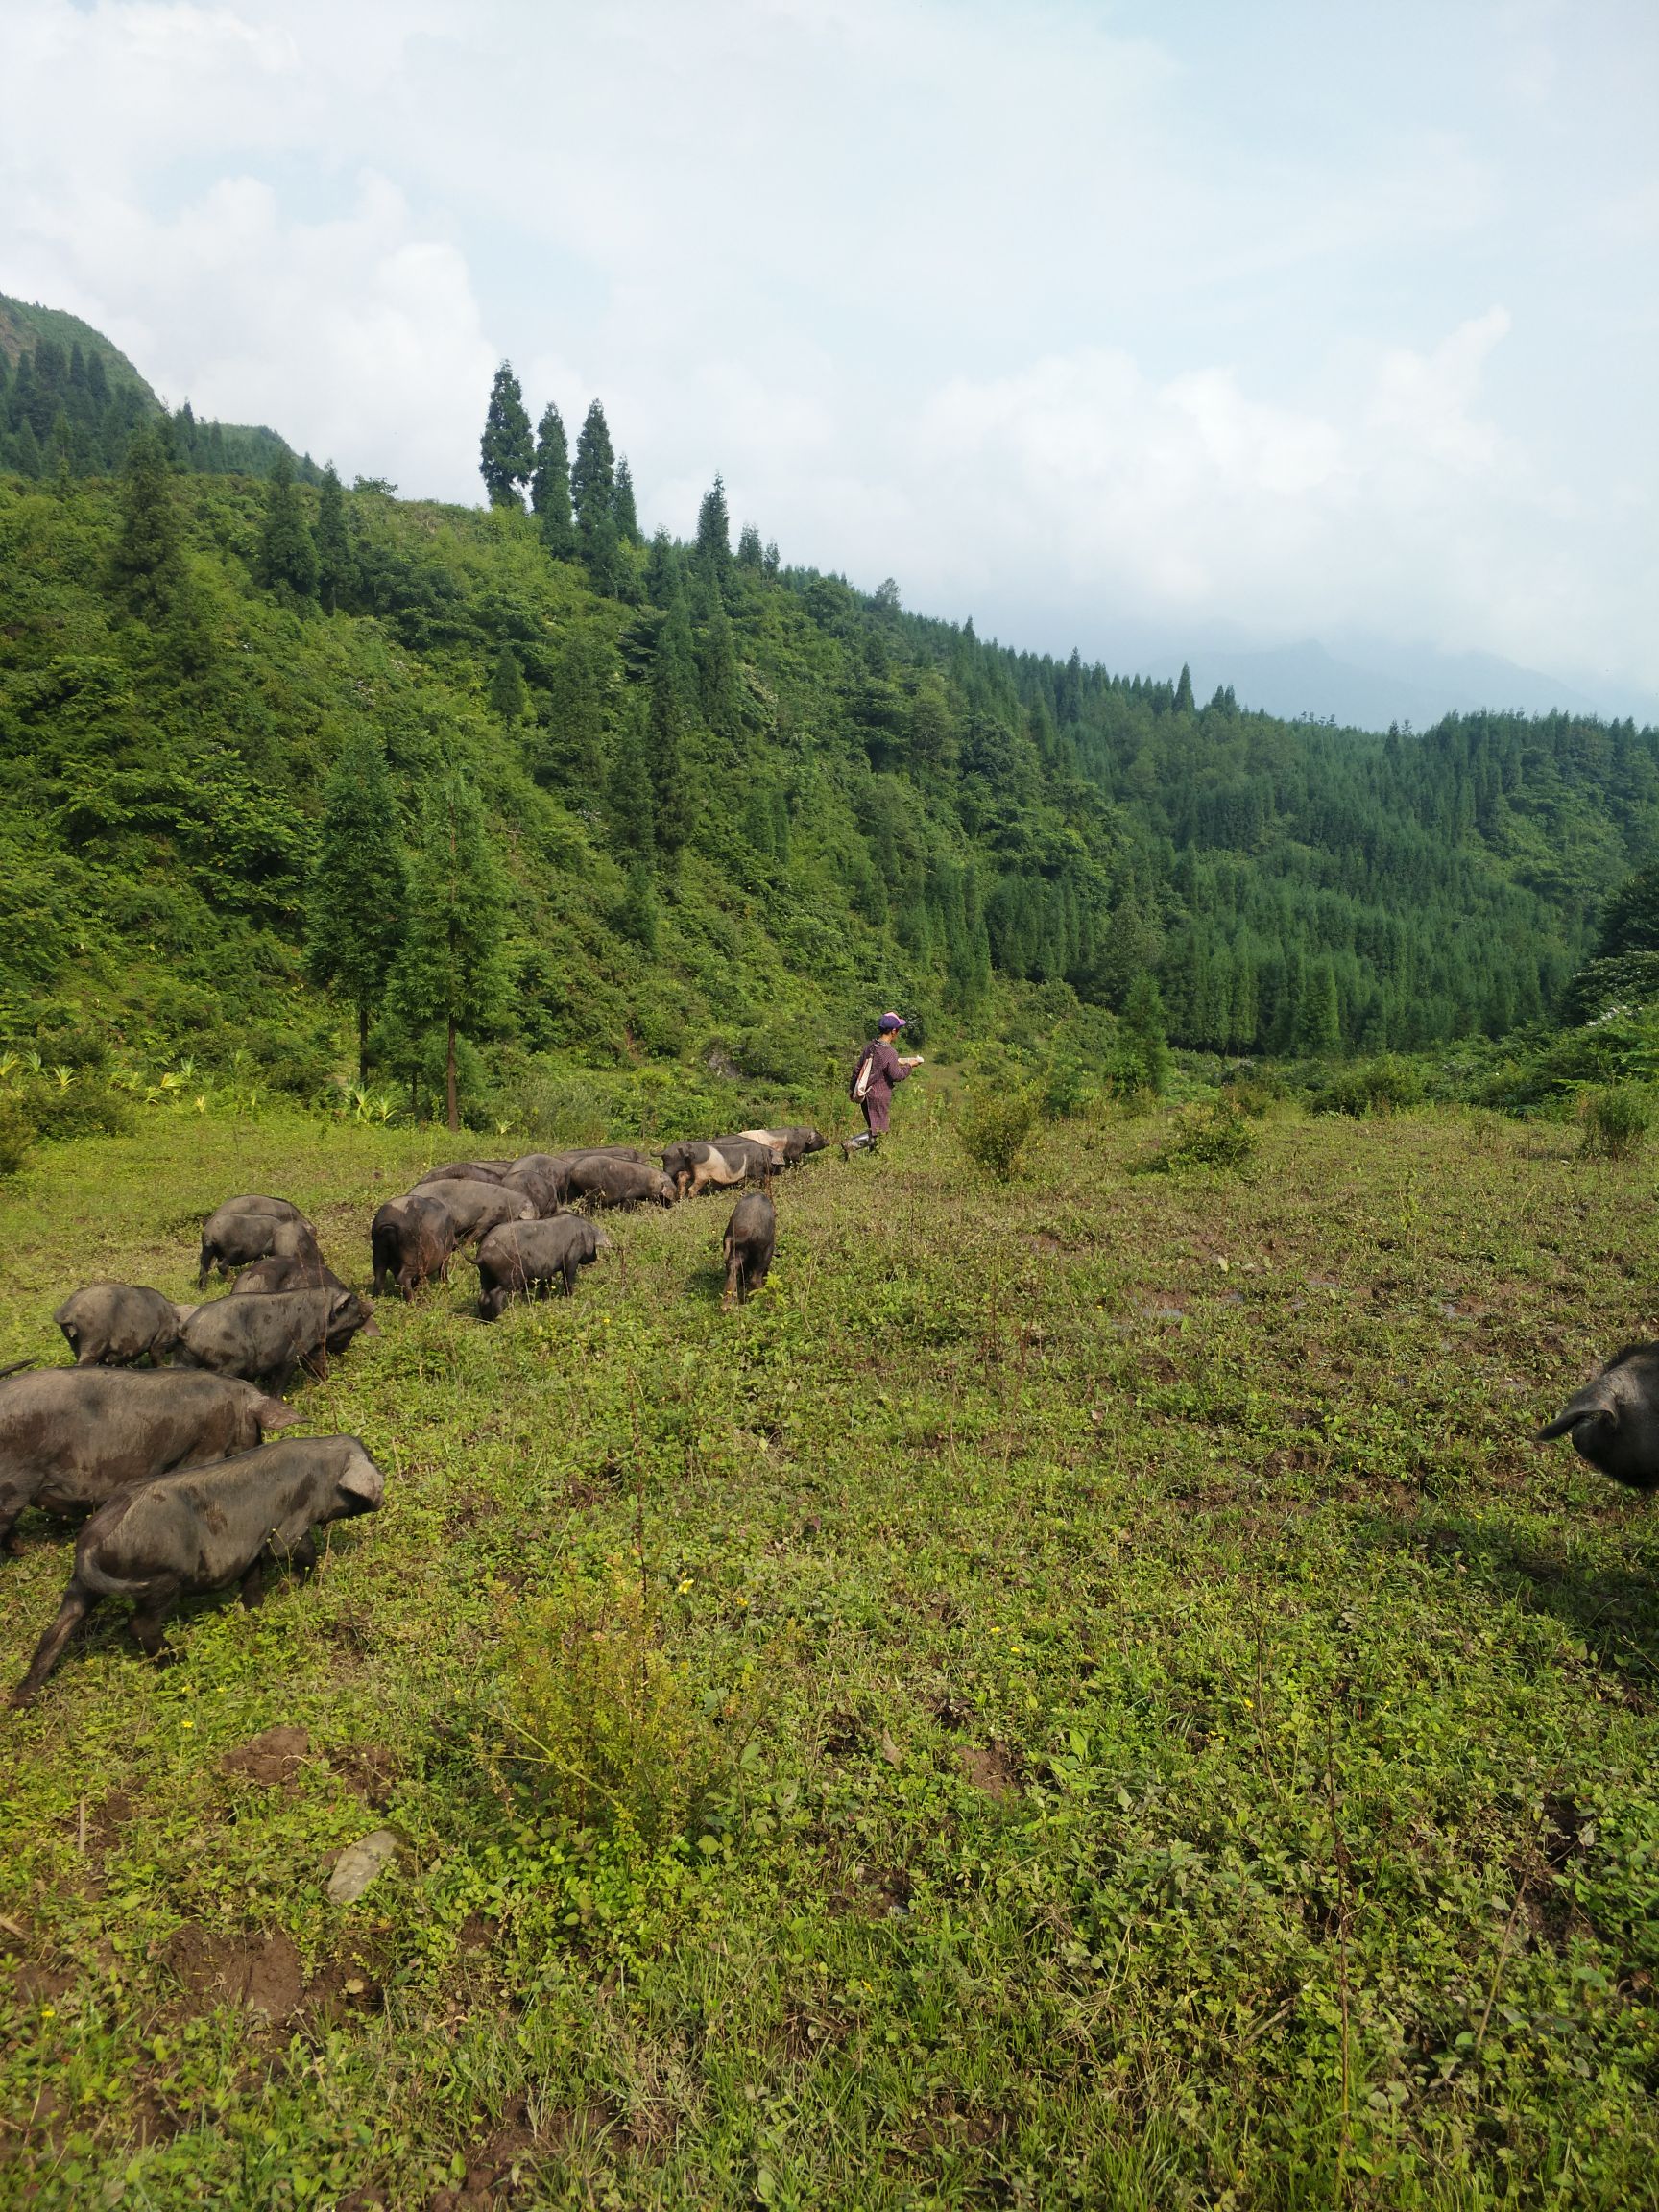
x,y
506,456
507,694
715,531
453,966
287,550
717,670
550,486
593,480
353,916
662,571
147,561
333,549
631,806
673,679
623,511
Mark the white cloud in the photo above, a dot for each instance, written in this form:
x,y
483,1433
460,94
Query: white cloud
x,y
1033,305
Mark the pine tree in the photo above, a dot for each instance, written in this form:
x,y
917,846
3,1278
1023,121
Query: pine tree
x,y
452,968
354,920
1184,692
623,511
714,532
506,457
1142,1025
334,548
673,679
287,551
717,670
749,552
632,804
147,561
550,486
662,571
637,916
594,482
507,694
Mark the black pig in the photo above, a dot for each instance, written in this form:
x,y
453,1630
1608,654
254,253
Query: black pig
x,y
751,1239
115,1324
531,1255
264,1340
1614,1420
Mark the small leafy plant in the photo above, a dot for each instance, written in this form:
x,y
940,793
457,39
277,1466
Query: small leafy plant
x,y
1218,1137
17,1135
1616,1123
994,1127
603,1721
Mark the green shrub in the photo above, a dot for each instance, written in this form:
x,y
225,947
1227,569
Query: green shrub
x,y
62,1106
606,1726
1385,1085
1616,1123
996,1125
1251,1095
17,1135
1217,1137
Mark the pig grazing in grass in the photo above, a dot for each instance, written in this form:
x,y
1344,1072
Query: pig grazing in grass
x,y
791,1146
264,1340
410,1240
532,1255
244,1230
475,1208
283,1271
695,1167
605,1182
71,1436
467,1171
1614,1420
751,1239
116,1324
203,1528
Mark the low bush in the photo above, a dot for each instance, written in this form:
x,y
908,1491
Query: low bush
x,y
605,1724
1385,1085
1217,1137
1616,1121
995,1125
17,1135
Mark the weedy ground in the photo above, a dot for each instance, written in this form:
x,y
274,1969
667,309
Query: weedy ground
x,y
1184,1745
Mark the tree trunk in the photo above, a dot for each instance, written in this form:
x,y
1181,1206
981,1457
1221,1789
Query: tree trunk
x,y
449,1079
363,1045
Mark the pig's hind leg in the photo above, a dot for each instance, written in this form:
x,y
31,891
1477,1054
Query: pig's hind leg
x,y
78,1603
148,1625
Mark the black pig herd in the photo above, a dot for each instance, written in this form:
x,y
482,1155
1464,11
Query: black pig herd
x,y
186,1496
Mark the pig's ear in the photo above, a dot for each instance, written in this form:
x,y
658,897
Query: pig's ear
x,y
184,1313
272,1414
363,1479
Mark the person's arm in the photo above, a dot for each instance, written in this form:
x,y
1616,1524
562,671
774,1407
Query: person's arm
x,y
893,1069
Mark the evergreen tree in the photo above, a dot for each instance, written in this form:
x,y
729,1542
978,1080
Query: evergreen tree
x,y
637,916
1184,692
623,511
452,969
507,694
353,919
287,550
1146,1047
749,553
147,561
714,532
334,548
672,682
662,571
594,482
506,457
632,804
550,486
26,450
717,671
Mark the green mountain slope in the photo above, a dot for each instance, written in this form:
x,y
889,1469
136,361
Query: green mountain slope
x,y
69,399
738,806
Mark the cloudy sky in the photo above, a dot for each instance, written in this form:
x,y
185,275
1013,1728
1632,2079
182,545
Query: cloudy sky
x,y
1103,323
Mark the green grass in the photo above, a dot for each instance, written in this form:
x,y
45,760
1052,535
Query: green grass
x,y
1186,1748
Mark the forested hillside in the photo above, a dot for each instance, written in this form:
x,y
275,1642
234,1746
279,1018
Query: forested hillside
x,y
69,400
693,801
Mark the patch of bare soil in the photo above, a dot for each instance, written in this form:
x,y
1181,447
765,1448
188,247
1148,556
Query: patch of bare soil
x,y
498,2170
262,1976
275,1756
371,1769
989,1769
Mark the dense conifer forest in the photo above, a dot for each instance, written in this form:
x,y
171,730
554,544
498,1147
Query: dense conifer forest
x,y
269,744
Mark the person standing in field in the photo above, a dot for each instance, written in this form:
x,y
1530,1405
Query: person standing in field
x,y
880,1067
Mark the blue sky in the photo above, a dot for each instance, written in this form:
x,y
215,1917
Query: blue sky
x,y
1143,327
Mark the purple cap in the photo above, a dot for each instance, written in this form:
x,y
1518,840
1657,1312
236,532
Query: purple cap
x,y
891,1022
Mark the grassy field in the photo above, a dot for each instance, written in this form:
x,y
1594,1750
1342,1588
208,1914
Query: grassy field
x,y
1178,1743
